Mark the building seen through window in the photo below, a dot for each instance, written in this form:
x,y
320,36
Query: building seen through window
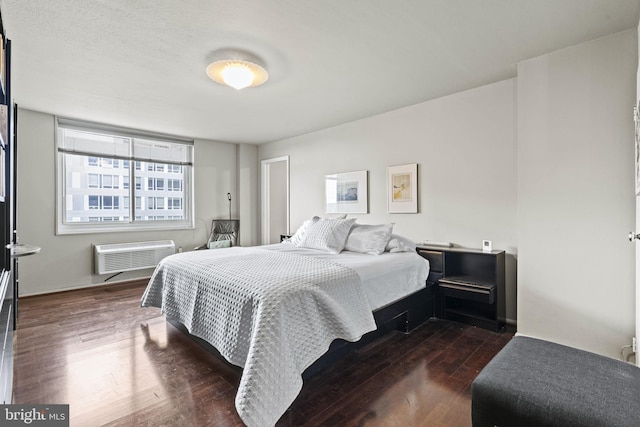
x,y
94,183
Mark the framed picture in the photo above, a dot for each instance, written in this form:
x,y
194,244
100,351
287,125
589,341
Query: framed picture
x,y
636,120
347,192
402,189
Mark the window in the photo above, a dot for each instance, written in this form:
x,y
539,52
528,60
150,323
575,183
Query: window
x,y
155,203
155,184
104,181
110,181
174,185
103,218
110,202
94,202
103,202
156,167
174,203
97,163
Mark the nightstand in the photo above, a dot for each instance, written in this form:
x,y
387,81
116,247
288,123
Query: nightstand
x,y
469,283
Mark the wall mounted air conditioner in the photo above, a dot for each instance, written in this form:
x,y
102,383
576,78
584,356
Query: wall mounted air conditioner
x,y
119,257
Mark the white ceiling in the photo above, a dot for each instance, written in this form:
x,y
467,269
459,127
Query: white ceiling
x,y
141,63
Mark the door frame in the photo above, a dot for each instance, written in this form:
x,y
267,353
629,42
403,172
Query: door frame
x,y
265,192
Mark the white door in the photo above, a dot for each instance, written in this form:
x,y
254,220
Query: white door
x,y
275,199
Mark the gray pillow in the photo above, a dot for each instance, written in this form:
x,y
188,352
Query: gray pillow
x,y
369,239
327,234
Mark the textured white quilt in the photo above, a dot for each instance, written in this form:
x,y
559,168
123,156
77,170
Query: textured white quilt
x,y
272,313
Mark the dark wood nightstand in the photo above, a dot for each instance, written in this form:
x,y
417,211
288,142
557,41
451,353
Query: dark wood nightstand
x,y
469,282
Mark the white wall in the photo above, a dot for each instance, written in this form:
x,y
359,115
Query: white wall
x,y
66,262
248,194
575,194
637,228
465,147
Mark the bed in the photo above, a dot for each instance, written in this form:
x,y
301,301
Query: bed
x,y
275,310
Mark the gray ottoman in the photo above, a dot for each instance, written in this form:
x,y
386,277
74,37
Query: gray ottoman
x,y
531,382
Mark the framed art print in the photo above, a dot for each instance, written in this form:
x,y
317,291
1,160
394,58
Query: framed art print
x,y
402,189
347,192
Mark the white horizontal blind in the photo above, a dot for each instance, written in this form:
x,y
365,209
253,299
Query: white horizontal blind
x,y
117,130
87,138
89,143
161,152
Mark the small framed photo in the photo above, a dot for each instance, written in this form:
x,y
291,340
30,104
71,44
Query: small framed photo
x,y
347,192
402,189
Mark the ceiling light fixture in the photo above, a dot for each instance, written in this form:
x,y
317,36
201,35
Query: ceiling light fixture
x,y
238,70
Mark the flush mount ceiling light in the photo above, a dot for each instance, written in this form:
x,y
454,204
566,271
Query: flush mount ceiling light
x,y
238,70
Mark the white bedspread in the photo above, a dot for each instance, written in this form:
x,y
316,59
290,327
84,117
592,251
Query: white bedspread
x,y
271,312
385,278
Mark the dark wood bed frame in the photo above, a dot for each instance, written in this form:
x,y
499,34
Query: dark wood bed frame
x,y
403,315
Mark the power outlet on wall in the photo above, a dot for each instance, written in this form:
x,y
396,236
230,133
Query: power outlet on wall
x,y
634,345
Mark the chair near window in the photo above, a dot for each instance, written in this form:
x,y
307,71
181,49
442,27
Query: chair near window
x,y
224,234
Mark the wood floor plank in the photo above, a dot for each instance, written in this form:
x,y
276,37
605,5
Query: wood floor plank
x,y
118,364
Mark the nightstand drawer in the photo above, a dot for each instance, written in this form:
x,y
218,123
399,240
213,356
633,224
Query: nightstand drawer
x,y
435,258
485,293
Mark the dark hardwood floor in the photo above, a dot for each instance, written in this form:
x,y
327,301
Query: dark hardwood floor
x,y
118,364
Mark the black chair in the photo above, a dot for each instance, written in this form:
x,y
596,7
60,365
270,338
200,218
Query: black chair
x,y
223,231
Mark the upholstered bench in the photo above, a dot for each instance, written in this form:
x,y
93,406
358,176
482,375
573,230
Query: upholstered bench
x,y
531,382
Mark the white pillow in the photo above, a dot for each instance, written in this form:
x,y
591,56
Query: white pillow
x,y
327,235
399,243
302,230
369,239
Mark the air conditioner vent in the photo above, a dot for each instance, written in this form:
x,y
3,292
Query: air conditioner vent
x,y
119,257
